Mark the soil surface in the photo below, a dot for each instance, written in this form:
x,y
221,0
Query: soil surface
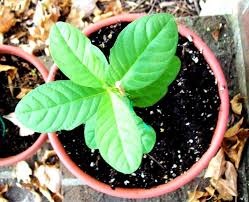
x,y
27,77
184,121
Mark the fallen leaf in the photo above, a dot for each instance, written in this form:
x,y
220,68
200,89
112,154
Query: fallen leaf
x,y
23,92
3,188
8,20
236,103
79,10
232,131
3,199
46,193
196,195
23,130
22,172
11,70
18,6
216,166
37,197
210,190
234,146
215,34
50,158
1,38
49,176
46,14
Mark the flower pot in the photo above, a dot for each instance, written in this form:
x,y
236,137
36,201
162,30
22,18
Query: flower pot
x,y
195,170
11,50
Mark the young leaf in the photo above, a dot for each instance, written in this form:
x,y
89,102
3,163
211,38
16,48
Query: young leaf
x,y
148,135
59,105
151,94
117,134
137,61
89,132
76,57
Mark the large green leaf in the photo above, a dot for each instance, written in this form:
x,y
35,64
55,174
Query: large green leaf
x,y
117,134
151,94
142,51
148,135
89,132
59,105
76,57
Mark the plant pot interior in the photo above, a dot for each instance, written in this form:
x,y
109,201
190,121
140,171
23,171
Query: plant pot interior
x,y
184,121
21,77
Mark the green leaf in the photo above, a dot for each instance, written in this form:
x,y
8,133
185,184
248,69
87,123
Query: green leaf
x,y
89,132
117,134
59,105
151,94
148,135
77,58
142,51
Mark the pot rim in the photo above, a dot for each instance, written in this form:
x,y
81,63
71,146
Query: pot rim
x,y
196,168
12,50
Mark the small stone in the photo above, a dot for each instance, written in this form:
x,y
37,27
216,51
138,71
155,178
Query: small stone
x,y
126,182
92,164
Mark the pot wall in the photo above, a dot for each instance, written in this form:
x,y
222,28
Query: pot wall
x,y
11,50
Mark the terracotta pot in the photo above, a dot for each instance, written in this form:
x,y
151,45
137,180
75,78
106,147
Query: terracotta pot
x,y
195,170
11,50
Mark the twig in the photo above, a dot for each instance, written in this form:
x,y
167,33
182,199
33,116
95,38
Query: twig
x,y
152,6
197,6
138,4
155,161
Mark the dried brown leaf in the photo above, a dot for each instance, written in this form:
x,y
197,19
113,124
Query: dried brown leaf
x,y
226,187
216,166
22,172
19,6
236,103
3,199
234,146
3,189
50,158
196,196
49,176
79,10
46,14
11,70
37,197
210,190
1,38
215,34
10,85
23,92
23,130
57,197
234,129
8,20
46,193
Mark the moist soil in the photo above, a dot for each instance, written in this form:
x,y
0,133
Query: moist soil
x,y
184,121
27,77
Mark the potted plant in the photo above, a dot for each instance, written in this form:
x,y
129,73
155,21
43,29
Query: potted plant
x,y
17,72
142,66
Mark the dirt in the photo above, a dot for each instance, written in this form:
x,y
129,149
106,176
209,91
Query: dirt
x,y
184,121
27,77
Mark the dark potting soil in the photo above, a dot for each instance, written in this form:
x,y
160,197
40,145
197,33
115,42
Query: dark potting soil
x,y
184,121
27,77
